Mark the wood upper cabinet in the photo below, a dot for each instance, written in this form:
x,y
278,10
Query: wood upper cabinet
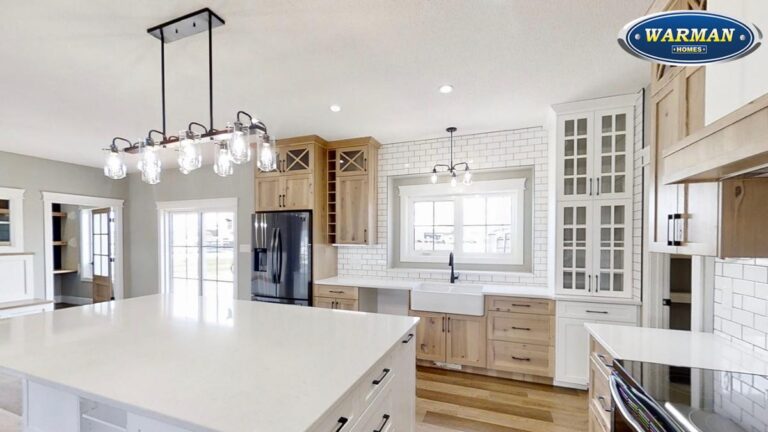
x,y
430,336
683,218
466,340
293,185
298,192
352,210
352,204
268,193
297,159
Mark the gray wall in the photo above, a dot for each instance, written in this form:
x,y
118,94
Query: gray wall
x,y
37,175
142,236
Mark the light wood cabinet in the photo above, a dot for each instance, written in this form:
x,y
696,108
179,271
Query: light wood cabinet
x,y
430,336
269,192
600,400
521,335
456,339
352,203
344,298
298,192
294,156
466,340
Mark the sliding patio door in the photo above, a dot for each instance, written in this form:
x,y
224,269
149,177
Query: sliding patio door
x,y
201,253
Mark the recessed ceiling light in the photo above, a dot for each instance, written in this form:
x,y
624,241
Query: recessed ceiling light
x,y
335,108
446,88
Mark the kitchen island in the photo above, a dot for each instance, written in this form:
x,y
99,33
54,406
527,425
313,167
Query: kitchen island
x,y
187,363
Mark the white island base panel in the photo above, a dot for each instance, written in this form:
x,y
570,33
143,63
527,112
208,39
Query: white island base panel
x,y
172,364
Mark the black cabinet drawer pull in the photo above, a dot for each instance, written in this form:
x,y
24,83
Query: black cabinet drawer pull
x,y
670,235
336,292
521,328
601,399
604,361
521,358
378,380
408,339
341,423
597,312
384,421
520,305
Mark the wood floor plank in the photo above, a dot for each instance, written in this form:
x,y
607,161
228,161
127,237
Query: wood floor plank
x,y
462,424
449,401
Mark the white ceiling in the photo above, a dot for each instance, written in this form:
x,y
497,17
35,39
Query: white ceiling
x,y
76,73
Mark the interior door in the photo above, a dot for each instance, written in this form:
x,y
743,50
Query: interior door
x,y
102,255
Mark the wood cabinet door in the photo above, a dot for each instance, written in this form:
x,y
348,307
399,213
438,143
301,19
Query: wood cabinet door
x,y
297,159
298,192
666,129
574,156
430,336
352,210
466,340
352,161
268,193
346,304
324,302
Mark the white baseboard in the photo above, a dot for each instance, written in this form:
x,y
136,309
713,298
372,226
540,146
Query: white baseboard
x,y
74,300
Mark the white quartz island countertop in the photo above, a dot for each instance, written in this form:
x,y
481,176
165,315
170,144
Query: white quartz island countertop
x,y
408,285
203,364
677,348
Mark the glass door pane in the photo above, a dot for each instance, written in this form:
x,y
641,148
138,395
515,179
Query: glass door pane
x,y
184,240
218,248
574,258
614,154
575,154
614,248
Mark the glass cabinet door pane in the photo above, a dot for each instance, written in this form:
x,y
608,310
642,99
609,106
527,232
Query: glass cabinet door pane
x,y
614,158
573,237
575,154
612,249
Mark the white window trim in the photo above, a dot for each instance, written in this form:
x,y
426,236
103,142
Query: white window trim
x,y
413,193
164,210
15,199
86,254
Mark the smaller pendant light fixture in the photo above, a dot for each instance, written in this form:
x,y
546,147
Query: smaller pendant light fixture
x,y
452,168
223,165
190,157
267,155
114,167
149,163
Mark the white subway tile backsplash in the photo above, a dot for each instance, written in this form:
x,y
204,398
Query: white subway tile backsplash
x,y
756,273
741,302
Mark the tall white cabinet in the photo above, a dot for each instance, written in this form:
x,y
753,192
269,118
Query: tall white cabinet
x,y
595,147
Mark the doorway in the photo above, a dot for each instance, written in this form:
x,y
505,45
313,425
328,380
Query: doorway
x,y
83,254
198,248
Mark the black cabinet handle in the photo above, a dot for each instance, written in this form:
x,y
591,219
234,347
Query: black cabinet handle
x,y
341,423
589,283
521,328
597,312
590,187
678,220
597,283
521,358
601,399
378,380
408,339
384,421
336,291
520,305
443,324
597,189
449,324
670,235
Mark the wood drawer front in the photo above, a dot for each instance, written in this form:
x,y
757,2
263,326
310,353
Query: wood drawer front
x,y
600,394
520,305
601,357
521,328
595,424
529,359
598,311
335,291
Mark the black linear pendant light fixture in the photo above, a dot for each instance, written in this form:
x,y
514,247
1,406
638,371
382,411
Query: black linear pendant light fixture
x,y
232,144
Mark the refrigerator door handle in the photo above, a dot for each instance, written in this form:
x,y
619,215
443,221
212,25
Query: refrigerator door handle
x,y
273,257
279,246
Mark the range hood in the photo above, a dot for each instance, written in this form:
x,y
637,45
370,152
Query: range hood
x,y
736,145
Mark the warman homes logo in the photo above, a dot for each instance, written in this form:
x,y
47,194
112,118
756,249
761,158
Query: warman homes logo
x,y
689,38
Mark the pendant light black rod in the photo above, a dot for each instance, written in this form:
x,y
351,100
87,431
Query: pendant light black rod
x,y
210,68
162,75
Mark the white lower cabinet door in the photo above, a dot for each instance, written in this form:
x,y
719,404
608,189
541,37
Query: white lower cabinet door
x,y
382,415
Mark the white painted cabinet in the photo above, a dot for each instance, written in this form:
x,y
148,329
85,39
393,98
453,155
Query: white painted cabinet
x,y
17,277
572,339
595,159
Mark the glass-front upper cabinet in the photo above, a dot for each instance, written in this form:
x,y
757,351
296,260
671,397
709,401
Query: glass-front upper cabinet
x,y
614,249
11,230
574,275
595,154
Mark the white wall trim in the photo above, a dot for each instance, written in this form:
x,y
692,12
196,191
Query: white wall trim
x,y
50,198
197,205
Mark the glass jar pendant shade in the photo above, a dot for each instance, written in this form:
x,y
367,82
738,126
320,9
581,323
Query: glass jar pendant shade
x,y
267,158
223,165
190,157
239,144
114,167
149,165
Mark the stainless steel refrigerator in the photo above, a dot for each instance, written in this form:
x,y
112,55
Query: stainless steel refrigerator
x,y
282,257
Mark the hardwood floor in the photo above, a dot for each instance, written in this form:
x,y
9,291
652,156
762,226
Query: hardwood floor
x,y
450,401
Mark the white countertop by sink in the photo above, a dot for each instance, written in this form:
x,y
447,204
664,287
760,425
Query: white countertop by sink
x,y
677,348
407,285
203,363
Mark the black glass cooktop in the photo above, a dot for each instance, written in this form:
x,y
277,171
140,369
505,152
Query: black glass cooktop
x,y
702,399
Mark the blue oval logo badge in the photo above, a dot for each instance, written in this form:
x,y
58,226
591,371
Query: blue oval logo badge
x,y
689,38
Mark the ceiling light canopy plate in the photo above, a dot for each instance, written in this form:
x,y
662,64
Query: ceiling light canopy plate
x,y
187,25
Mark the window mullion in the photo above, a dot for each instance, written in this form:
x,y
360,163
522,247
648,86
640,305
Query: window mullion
x,y
458,226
